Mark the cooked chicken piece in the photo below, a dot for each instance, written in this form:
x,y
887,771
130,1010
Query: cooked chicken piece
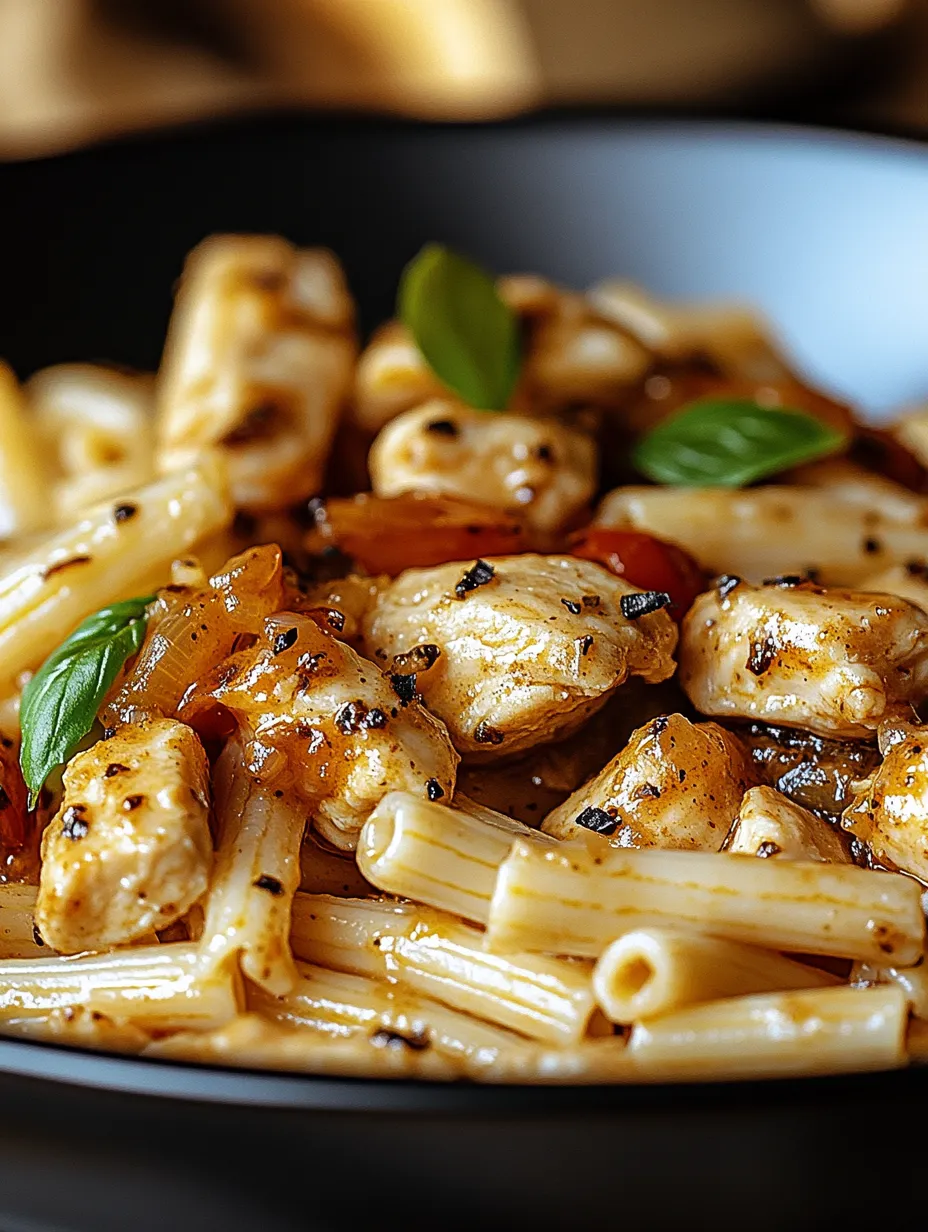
x,y
890,809
771,531
542,470
530,645
258,362
837,662
813,772
529,786
129,849
676,784
771,826
95,428
317,717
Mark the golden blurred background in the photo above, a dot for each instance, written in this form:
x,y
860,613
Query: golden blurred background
x,y
73,71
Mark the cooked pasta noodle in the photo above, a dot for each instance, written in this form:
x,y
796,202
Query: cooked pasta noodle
x,y
487,774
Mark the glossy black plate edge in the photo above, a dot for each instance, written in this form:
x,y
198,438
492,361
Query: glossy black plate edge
x,y
164,1079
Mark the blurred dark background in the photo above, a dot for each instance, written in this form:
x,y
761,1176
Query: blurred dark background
x,y
73,71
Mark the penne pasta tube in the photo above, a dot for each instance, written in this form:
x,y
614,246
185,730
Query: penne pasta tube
x,y
159,987
437,855
18,935
341,1004
653,971
578,897
912,980
256,876
813,1031
434,954
258,1043
81,1027
113,552
756,533
24,503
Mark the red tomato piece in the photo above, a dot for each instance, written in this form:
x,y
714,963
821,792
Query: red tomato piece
x,y
644,561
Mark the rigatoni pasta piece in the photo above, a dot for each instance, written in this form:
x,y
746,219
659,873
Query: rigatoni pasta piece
x,y
756,533
652,971
256,1042
79,1027
24,504
257,363
436,955
95,425
437,855
113,552
256,876
158,987
576,898
773,827
342,1004
813,1031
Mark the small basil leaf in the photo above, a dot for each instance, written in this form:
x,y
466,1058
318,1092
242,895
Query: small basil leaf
x,y
466,334
60,702
731,442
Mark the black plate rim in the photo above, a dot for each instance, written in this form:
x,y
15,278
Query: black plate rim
x,y
51,1062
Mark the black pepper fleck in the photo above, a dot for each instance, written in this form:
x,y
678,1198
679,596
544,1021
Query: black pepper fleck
x,y
283,641
590,600
122,513
872,546
643,603
442,427
573,608
478,575
767,849
434,789
647,791
73,823
115,767
37,936
761,655
586,644
726,584
132,802
271,884
785,580
485,734
405,688
597,820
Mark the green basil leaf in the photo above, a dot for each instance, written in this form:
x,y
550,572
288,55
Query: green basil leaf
x,y
60,702
719,442
466,334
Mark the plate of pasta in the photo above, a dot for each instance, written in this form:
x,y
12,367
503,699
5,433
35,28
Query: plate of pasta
x,y
525,689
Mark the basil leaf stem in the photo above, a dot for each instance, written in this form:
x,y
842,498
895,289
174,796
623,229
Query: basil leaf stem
x,y
60,702
467,335
732,442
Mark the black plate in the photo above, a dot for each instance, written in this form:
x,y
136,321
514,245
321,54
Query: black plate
x,y
824,231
